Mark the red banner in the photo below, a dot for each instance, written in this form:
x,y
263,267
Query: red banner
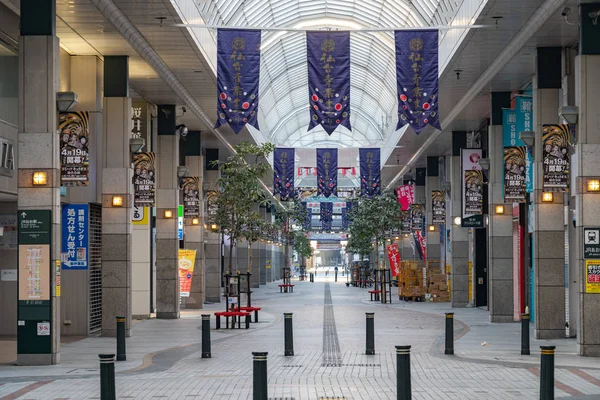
x,y
394,258
406,196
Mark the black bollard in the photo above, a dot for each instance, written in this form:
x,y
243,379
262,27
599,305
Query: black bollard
x,y
121,352
206,336
259,389
336,273
547,373
449,333
370,334
403,373
525,335
107,377
289,334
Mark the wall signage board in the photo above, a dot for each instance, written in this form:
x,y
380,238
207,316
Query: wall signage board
x,y
592,276
75,233
591,243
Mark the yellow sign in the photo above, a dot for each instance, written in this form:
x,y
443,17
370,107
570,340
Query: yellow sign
x,y
470,280
268,264
187,259
140,215
57,278
592,276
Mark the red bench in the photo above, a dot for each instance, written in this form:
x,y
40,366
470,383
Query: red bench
x,y
376,293
250,309
232,314
286,286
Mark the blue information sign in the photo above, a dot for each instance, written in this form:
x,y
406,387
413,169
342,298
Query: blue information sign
x,y
75,233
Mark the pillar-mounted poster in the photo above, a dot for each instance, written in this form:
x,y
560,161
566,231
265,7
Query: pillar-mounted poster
x,y
417,212
144,179
555,153
406,221
191,196
438,207
515,174
74,138
472,199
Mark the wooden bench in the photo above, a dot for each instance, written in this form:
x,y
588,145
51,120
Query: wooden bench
x,y
286,286
232,314
376,293
250,309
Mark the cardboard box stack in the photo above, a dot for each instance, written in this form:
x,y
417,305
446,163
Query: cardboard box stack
x,y
411,282
438,285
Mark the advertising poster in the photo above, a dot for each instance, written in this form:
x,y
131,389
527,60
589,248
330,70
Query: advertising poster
x,y
406,196
187,259
555,153
422,240
191,197
34,261
472,199
515,159
394,258
75,231
144,179
417,212
438,207
8,240
592,276
406,221
74,141
524,123
211,206
141,215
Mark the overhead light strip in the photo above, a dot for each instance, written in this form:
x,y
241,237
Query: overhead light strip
x,y
355,30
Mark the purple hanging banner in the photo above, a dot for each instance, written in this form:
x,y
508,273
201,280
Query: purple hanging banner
x,y
417,78
329,79
306,224
326,215
370,172
238,70
283,175
327,161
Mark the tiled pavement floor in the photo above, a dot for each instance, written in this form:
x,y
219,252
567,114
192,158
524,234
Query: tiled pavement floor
x,y
329,361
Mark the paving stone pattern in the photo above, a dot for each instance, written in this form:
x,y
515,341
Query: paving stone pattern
x,y
329,362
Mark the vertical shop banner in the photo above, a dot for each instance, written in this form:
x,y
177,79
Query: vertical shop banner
x,y
191,196
74,152
283,173
187,260
238,72
370,172
524,123
417,212
328,79
438,207
307,223
211,197
327,161
417,79
555,153
75,234
326,215
140,122
510,136
422,243
406,221
394,258
144,179
515,164
406,196
472,199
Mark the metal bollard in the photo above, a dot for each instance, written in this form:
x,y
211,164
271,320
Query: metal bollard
x,y
259,387
206,336
370,334
403,373
121,352
107,377
547,373
525,335
289,334
449,333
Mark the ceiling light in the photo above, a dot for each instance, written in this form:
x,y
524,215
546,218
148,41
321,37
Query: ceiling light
x,y
569,113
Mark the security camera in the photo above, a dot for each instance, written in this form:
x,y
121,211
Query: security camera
x,y
594,17
566,11
182,130
183,109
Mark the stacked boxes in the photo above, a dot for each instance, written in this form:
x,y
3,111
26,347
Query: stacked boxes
x,y
411,280
438,285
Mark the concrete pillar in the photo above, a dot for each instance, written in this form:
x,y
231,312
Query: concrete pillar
x,y
586,166
549,230
459,238
500,240
432,182
167,243
194,239
116,181
212,239
38,150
